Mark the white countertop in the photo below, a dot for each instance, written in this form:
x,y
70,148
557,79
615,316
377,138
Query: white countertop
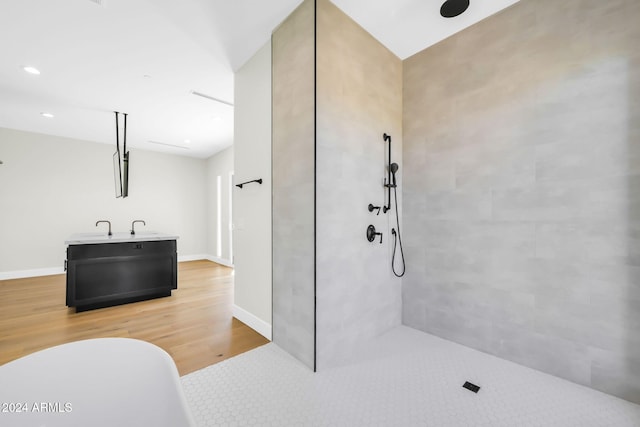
x,y
119,237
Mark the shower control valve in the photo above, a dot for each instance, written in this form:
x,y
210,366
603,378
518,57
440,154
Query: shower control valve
x,y
371,234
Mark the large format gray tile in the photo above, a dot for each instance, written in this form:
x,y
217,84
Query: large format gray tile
x,y
534,254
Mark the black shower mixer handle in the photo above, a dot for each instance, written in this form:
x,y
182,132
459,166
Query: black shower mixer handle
x,y
371,234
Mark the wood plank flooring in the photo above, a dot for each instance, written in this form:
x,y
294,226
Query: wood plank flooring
x,y
194,325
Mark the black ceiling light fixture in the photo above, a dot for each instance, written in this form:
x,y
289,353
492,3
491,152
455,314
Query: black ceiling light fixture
x,y
453,8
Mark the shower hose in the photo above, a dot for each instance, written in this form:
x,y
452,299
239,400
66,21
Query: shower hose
x,y
397,240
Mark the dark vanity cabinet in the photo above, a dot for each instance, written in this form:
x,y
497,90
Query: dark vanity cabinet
x,y
106,274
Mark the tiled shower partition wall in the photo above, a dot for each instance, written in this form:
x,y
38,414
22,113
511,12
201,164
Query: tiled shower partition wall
x,y
293,186
359,99
328,165
522,189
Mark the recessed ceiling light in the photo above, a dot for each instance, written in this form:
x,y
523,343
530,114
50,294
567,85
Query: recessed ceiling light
x,y
217,118
31,70
47,115
187,141
146,76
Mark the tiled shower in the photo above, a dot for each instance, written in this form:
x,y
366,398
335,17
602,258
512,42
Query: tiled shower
x,y
518,141
332,102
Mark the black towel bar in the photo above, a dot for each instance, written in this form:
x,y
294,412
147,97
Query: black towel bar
x,y
259,181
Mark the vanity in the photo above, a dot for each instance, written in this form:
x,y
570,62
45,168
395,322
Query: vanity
x,y
105,270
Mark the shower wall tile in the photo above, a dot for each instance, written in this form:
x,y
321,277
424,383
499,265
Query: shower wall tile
x,y
549,321
538,204
576,160
610,282
611,373
459,327
521,139
495,169
496,238
554,355
293,184
589,241
359,98
458,205
439,172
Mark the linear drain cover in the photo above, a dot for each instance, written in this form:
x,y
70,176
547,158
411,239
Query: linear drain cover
x,y
469,386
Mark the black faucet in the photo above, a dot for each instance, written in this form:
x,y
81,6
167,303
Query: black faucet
x,y
133,224
108,222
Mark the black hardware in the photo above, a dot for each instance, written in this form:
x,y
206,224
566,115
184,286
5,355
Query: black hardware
x,y
453,8
108,222
125,161
124,137
387,181
117,133
393,167
259,181
470,386
397,239
117,169
371,234
121,160
133,231
371,208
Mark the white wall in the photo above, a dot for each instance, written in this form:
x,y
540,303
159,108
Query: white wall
x,y
219,244
52,187
252,204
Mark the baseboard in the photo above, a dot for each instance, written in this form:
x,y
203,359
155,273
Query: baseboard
x,y
221,261
183,258
258,325
37,272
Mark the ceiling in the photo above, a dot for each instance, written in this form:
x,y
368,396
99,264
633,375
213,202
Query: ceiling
x,y
146,57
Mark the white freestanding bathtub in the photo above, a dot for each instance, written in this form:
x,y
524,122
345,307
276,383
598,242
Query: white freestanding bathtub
x,y
97,382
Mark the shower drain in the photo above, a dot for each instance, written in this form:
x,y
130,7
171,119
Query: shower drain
x,y
470,386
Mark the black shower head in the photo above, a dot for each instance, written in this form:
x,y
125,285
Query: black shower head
x,y
393,168
453,8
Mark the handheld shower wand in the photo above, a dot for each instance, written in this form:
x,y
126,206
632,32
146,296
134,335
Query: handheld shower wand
x,y
393,168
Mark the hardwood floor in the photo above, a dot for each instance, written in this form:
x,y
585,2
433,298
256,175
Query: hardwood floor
x,y
194,325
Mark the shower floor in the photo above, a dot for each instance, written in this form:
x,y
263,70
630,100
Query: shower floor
x,y
403,378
